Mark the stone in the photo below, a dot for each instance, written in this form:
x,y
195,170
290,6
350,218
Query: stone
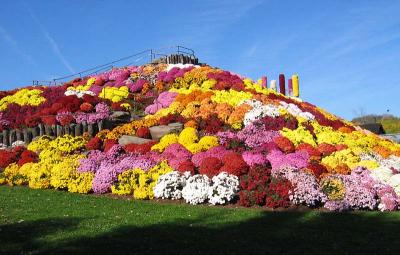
x,y
176,125
130,139
120,116
159,131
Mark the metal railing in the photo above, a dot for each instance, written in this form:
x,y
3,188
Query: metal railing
x,y
149,55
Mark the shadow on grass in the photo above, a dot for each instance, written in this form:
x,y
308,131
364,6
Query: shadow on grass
x,y
25,237
273,233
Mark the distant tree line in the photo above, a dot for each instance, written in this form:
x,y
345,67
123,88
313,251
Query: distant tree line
x,y
390,123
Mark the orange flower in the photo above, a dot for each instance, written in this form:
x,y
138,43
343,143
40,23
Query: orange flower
x,y
384,152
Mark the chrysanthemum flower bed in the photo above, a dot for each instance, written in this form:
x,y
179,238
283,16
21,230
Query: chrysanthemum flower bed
x,y
241,143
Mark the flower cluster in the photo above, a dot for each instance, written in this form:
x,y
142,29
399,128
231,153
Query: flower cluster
x,y
241,142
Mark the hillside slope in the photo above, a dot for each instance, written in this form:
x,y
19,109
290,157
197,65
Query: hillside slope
x,y
196,133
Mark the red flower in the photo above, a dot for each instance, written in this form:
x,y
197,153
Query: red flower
x,y
94,144
312,152
86,107
234,164
49,120
143,132
210,166
7,158
284,144
326,149
27,157
316,169
186,166
116,106
278,193
139,148
109,143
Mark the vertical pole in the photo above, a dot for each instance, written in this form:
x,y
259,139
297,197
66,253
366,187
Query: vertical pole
x,y
264,82
273,85
290,87
282,84
295,80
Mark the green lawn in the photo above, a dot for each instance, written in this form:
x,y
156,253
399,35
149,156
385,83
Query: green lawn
x,y
46,221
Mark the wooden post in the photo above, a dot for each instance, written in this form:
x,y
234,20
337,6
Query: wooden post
x,y
35,132
13,137
19,135
5,137
78,130
41,129
27,136
282,84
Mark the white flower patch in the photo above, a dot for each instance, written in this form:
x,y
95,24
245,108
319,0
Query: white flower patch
x,y
295,111
18,143
181,66
196,189
224,188
259,111
169,186
3,146
382,174
394,182
79,94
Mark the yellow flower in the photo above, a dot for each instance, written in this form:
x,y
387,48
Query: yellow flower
x,y
23,97
298,136
165,142
232,97
333,188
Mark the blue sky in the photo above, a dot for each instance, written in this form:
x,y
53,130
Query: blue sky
x,y
347,53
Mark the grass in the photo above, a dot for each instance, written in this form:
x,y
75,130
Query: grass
x,y
54,222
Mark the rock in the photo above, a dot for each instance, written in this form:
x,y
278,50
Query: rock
x,y
129,139
159,131
120,115
176,125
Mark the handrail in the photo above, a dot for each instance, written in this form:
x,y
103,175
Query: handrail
x,y
153,53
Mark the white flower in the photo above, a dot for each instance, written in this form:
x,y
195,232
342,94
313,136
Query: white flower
x,y
259,111
223,189
79,94
296,111
18,143
169,186
381,174
181,66
196,189
394,181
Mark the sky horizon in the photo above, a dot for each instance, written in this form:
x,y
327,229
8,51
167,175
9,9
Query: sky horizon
x,y
346,53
